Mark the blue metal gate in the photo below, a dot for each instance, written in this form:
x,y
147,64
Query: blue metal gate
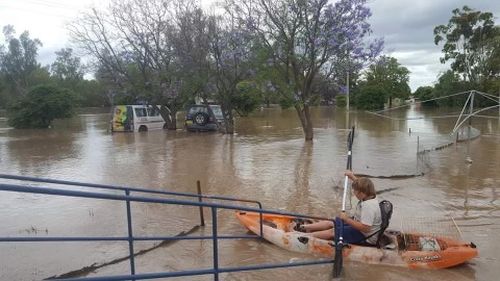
x,y
130,238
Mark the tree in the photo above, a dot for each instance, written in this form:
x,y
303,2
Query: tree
x,y
450,83
18,61
470,42
264,74
306,38
425,93
231,53
491,82
247,97
386,73
191,47
67,67
40,106
131,44
91,93
370,96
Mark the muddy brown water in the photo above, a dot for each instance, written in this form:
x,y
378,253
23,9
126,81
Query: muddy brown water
x,y
267,160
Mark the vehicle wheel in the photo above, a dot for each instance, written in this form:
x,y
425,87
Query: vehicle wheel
x,y
200,118
143,128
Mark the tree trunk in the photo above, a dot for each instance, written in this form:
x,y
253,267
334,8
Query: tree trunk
x,y
169,116
229,123
173,121
305,120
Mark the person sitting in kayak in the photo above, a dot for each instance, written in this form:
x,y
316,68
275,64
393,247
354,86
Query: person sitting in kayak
x,y
365,223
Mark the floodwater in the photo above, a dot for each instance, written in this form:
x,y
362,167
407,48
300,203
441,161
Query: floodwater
x,y
267,160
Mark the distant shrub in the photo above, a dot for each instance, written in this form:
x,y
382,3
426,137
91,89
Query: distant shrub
x,y
341,100
370,97
40,107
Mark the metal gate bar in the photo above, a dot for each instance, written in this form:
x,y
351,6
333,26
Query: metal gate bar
x,y
216,270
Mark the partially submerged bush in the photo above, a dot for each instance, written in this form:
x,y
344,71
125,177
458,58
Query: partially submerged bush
x,y
40,107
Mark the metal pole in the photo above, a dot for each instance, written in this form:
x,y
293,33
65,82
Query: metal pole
x,y
418,144
347,99
130,236
202,218
215,244
347,90
418,148
469,128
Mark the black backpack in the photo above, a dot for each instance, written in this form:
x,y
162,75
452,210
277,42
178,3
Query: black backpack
x,y
386,214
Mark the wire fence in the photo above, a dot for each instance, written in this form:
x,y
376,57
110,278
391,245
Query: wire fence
x,y
432,226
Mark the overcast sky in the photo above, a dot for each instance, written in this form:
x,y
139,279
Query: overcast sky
x,y
405,25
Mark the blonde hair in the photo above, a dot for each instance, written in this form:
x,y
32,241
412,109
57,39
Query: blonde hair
x,y
364,185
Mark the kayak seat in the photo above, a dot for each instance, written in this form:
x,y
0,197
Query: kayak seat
x,y
269,223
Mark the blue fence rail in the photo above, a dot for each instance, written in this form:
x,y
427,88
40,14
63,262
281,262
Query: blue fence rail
x,y
130,238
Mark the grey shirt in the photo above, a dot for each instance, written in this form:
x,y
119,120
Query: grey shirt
x,y
368,213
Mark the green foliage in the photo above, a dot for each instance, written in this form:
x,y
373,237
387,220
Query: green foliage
x,y
18,62
267,77
471,43
425,93
39,76
389,75
4,99
286,103
247,98
450,83
40,107
341,100
386,78
91,93
67,68
370,96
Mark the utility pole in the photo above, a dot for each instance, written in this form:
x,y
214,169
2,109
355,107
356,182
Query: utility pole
x,y
347,83
347,90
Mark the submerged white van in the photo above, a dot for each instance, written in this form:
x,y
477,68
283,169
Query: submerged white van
x,y
136,118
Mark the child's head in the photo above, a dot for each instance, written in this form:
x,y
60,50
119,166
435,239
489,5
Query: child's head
x,y
364,185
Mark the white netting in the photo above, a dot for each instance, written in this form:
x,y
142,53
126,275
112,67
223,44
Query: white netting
x,y
432,226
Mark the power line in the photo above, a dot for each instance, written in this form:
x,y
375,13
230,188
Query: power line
x,y
50,13
50,4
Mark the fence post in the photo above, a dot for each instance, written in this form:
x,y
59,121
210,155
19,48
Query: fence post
x,y
215,244
418,152
202,218
130,235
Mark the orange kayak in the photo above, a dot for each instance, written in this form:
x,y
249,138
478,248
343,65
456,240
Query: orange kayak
x,y
410,250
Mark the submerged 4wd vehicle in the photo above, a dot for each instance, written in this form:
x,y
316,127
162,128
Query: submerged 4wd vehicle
x,y
201,117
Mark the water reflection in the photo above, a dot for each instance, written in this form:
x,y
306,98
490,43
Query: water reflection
x,y
36,151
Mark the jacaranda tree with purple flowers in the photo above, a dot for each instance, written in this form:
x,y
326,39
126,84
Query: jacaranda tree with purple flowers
x,y
306,38
231,55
